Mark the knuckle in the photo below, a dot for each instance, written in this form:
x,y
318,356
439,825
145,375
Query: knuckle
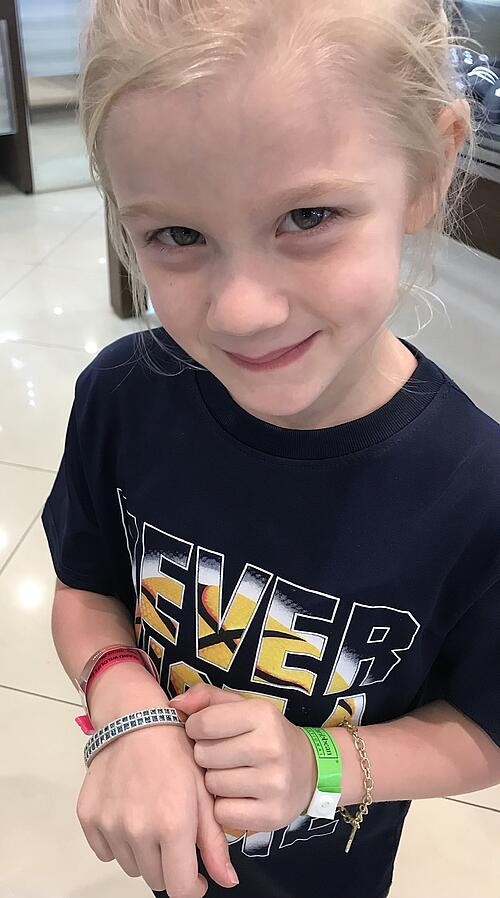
x,y
109,824
195,726
219,812
211,780
199,754
136,830
171,828
200,690
282,785
84,809
84,815
274,750
189,727
267,711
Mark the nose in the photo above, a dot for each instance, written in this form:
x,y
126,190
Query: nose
x,y
242,304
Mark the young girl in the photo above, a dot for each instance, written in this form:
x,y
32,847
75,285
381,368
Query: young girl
x,y
277,501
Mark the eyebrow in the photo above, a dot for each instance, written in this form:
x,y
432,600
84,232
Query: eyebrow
x,y
288,199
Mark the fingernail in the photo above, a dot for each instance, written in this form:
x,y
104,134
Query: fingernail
x,y
232,875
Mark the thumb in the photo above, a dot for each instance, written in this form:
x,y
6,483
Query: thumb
x,y
212,842
201,696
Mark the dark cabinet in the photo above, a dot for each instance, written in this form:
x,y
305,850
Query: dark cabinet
x,y
15,152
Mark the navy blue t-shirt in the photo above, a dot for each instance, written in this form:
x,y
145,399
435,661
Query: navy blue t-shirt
x,y
348,571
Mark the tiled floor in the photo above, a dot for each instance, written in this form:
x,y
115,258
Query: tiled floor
x,y
54,316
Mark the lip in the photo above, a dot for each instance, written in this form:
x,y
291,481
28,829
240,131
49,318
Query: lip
x,y
278,358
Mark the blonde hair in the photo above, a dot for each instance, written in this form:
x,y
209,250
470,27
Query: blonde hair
x,y
402,46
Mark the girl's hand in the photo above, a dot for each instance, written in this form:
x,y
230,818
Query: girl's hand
x,y
260,768
144,802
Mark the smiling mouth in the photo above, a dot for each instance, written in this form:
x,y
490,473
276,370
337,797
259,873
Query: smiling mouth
x,y
277,359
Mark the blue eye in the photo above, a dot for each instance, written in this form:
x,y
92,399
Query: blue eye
x,y
176,236
301,220
312,219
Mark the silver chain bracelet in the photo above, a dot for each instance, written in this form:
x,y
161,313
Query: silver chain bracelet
x,y
148,718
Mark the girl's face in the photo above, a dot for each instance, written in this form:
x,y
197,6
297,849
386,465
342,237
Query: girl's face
x,y
263,214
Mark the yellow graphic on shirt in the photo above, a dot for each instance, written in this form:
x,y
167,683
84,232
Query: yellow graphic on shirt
x,y
219,633
281,639
218,644
337,683
279,642
350,708
152,587
182,676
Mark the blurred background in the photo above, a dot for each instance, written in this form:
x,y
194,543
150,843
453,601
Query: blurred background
x,y
63,296
50,31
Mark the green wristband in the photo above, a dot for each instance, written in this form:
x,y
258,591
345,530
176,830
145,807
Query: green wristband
x,y
327,758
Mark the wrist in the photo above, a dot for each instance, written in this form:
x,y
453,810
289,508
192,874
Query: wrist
x,y
352,774
309,769
121,689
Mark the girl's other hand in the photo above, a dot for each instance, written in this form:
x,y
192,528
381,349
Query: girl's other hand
x,y
145,804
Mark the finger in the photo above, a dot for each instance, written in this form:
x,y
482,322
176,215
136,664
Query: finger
x,y
224,754
212,843
241,814
125,857
180,869
202,696
239,783
99,844
149,862
221,721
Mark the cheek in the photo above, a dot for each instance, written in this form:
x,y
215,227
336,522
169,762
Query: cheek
x,y
361,284
176,299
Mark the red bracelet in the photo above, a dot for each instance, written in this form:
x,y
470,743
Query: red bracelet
x,y
114,656
111,657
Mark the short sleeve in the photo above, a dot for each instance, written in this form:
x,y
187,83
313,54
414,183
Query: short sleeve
x,y
70,521
467,671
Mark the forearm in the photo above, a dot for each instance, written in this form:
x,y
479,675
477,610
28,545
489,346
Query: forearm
x,y
429,753
82,624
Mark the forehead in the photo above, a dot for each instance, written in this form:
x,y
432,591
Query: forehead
x,y
239,138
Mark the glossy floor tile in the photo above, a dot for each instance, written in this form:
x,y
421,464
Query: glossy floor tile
x,y
28,659
63,307
11,273
82,201
448,850
33,226
489,798
23,492
34,408
85,248
44,853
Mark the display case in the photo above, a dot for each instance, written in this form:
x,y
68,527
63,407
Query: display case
x,y
15,150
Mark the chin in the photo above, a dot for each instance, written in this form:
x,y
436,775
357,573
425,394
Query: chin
x,y
279,402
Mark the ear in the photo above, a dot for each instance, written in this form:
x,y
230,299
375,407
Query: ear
x,y
454,127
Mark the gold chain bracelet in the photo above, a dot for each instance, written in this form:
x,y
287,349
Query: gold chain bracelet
x,y
356,820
